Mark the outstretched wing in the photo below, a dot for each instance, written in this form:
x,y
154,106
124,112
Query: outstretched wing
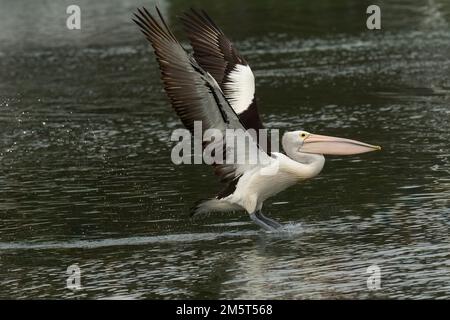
x,y
194,94
217,55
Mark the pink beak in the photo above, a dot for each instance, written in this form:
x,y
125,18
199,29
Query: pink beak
x,y
319,144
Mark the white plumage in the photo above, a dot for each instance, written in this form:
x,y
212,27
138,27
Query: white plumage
x,y
240,88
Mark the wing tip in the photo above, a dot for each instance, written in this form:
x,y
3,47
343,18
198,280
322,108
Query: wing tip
x,y
153,29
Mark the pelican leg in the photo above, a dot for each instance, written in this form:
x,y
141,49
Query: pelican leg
x,y
264,222
269,221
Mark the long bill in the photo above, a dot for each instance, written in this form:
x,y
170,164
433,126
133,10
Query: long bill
x,y
319,144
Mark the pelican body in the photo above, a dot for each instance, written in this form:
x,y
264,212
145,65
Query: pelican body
x,y
216,86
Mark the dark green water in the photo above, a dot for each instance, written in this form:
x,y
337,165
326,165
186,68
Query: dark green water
x,y
86,176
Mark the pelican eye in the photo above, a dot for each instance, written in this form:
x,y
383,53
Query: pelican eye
x,y
303,135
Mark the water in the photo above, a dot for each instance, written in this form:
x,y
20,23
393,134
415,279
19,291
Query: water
x,y
86,176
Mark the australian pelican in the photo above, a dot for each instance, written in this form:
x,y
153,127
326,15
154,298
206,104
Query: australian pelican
x,y
216,86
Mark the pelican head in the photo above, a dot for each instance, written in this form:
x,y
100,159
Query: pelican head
x,y
309,143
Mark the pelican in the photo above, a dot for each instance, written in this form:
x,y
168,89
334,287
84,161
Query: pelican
x,y
215,85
